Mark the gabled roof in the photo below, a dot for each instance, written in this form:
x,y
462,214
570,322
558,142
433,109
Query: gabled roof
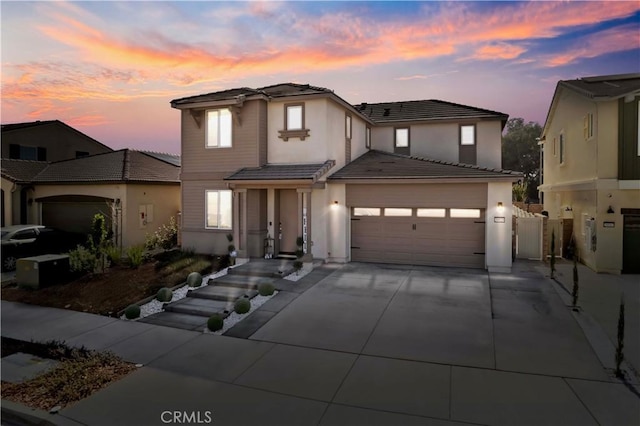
x,y
223,95
606,86
383,165
27,125
429,110
292,89
21,171
311,172
597,88
125,166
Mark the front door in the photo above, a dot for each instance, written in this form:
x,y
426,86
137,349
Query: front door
x,y
631,244
288,220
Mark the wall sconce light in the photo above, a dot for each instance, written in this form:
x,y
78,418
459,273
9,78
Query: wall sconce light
x,y
568,209
117,202
500,207
610,210
335,202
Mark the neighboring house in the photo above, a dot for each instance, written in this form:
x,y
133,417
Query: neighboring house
x,y
137,191
47,141
273,164
37,141
591,168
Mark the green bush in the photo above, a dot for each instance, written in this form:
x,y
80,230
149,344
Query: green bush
x,y
114,254
297,265
194,279
266,289
135,255
83,260
132,312
215,322
242,306
164,294
164,237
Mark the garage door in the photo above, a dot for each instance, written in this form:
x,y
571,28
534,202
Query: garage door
x,y
419,236
73,216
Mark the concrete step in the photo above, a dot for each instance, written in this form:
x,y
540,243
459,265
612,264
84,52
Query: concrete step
x,y
237,281
268,268
177,320
222,292
200,307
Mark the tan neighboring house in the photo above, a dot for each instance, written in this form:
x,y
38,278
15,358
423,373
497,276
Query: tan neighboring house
x,y
591,168
37,141
137,191
400,182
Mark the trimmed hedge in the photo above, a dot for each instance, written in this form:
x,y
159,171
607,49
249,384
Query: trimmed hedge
x,y
242,306
132,312
215,322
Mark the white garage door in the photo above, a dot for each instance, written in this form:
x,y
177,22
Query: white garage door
x,y
419,236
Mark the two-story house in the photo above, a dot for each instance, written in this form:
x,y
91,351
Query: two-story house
x,y
591,168
402,182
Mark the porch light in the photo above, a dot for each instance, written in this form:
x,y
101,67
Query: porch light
x,y
335,202
500,207
610,210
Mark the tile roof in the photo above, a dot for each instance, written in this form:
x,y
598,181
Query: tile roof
x,y
432,109
283,172
274,91
606,86
169,158
21,171
384,165
292,89
216,96
119,166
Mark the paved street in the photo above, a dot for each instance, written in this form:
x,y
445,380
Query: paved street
x,y
367,344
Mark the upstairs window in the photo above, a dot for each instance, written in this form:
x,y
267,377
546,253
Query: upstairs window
x,y
22,152
588,126
367,138
561,148
219,128
347,126
294,122
468,135
402,138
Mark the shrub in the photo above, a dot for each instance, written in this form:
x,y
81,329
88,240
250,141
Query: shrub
x,y
242,306
132,312
266,289
215,322
164,294
297,265
135,255
114,254
83,260
165,237
194,279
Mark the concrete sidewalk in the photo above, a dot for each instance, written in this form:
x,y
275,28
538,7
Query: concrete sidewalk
x,y
366,345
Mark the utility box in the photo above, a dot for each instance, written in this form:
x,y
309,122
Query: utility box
x,y
41,271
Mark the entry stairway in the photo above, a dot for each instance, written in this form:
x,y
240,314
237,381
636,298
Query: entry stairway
x,y
219,296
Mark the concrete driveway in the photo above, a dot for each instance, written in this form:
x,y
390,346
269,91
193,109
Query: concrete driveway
x,y
368,344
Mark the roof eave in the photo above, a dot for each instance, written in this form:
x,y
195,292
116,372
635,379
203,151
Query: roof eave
x,y
424,179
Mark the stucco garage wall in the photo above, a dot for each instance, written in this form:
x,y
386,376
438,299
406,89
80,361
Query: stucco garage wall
x,y
165,200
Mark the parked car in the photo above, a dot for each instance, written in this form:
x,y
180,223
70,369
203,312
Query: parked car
x,y
20,241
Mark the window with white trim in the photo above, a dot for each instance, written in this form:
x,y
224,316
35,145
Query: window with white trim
x,y
588,126
561,148
367,137
218,128
218,206
402,138
347,126
295,117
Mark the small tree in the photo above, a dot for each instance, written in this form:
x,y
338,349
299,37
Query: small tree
x,y
620,345
574,293
297,264
231,248
552,260
99,241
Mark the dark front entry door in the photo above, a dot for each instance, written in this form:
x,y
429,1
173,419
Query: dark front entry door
x,y
288,220
631,244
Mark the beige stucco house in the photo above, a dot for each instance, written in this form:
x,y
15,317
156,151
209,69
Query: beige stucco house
x,y
38,142
591,168
400,182
137,192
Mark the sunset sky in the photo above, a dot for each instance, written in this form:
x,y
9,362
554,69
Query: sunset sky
x,y
110,69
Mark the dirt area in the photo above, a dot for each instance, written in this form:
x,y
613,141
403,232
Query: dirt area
x,y
80,373
120,286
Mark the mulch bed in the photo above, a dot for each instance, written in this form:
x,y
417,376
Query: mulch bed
x,y
118,287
